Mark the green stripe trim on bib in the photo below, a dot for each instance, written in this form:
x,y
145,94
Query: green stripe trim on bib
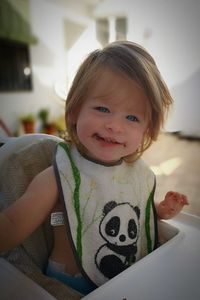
x,y
76,198
147,222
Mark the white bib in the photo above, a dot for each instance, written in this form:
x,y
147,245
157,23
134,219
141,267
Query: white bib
x,y
110,212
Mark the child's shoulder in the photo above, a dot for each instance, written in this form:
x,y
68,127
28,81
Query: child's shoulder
x,y
141,166
141,163
65,144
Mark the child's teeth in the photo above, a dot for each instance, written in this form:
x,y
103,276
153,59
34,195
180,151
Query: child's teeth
x,y
108,140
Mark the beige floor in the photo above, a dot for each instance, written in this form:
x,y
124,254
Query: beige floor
x,y
176,162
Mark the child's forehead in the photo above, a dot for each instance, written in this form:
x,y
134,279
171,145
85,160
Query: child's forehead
x,y
109,80
112,83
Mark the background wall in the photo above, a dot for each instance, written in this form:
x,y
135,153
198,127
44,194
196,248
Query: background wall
x,y
49,59
170,31
66,33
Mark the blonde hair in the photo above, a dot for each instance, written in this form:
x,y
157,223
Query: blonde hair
x,y
135,62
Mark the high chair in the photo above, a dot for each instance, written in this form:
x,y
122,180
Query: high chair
x,y
169,272
21,269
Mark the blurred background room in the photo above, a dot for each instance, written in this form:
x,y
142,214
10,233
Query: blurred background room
x,y
42,43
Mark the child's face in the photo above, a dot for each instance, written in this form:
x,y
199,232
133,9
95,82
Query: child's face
x,y
111,122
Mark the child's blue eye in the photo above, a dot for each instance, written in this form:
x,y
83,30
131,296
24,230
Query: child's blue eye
x,y
132,118
102,109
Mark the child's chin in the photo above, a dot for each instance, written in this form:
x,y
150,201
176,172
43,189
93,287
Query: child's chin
x,y
107,156
107,159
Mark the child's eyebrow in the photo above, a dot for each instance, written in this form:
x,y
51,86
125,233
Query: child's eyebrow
x,y
104,99
102,96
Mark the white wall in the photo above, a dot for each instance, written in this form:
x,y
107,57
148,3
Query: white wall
x,y
48,59
170,31
175,44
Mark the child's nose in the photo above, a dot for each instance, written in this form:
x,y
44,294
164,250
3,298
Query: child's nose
x,y
114,125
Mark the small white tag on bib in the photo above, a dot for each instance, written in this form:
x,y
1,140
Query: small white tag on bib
x,y
57,219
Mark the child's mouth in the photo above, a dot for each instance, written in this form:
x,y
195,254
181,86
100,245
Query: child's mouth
x,y
107,140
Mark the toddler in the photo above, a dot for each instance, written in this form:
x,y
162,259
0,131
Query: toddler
x,y
99,191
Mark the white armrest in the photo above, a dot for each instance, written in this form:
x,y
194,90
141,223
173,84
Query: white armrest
x,y
16,285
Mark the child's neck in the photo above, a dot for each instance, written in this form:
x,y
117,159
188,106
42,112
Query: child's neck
x,y
87,156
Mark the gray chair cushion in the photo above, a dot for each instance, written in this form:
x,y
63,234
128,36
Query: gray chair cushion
x,y
32,255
